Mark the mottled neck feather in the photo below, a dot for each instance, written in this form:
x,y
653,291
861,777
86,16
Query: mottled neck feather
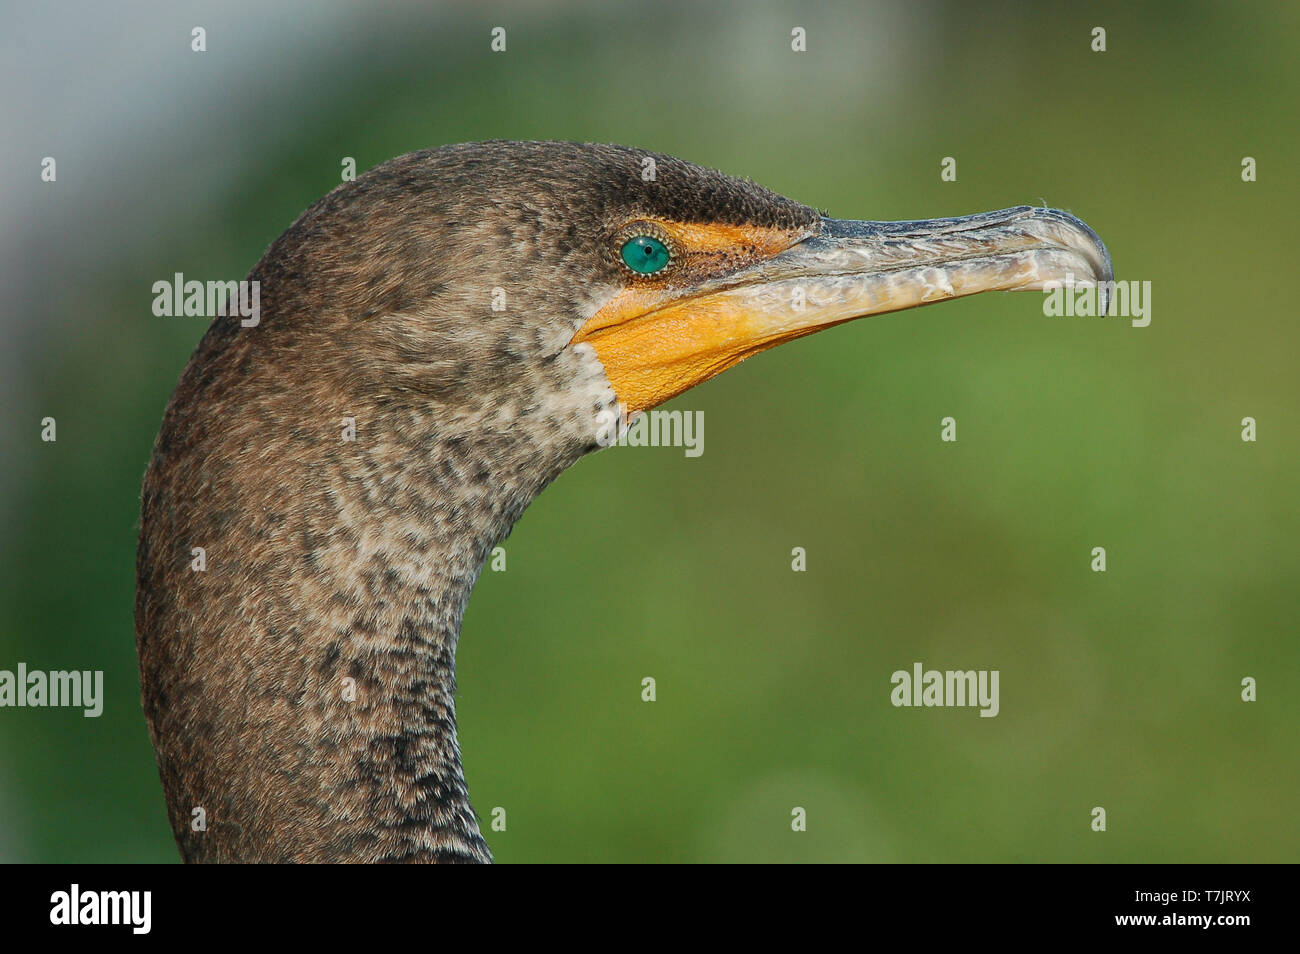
x,y
300,687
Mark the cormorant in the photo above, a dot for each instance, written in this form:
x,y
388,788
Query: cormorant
x,y
484,315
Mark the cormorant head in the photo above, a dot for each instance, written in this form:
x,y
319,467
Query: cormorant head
x,y
582,283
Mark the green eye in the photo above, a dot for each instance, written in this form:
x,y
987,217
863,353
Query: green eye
x,y
645,254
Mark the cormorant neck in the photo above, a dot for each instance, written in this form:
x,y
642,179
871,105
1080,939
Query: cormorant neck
x,y
402,553
300,687
401,681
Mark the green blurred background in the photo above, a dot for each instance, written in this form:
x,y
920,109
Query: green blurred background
x,y
1118,689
